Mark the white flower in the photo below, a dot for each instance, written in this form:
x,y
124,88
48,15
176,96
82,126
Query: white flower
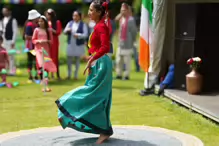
x,y
188,59
197,59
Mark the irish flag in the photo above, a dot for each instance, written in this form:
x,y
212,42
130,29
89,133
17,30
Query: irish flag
x,y
145,34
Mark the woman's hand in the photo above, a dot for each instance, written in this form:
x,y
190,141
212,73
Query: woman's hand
x,y
75,36
45,41
88,66
53,31
39,41
68,30
86,58
42,41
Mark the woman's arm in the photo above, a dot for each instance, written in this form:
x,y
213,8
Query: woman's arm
x,y
28,32
84,34
35,36
118,17
59,28
67,29
104,40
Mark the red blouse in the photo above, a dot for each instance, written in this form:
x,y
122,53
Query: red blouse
x,y
100,40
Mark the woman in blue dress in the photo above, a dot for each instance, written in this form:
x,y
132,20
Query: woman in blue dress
x,y
87,108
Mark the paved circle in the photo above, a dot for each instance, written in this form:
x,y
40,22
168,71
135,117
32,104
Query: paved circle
x,y
124,136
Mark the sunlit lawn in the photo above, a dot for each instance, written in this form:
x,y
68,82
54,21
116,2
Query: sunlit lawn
x,y
26,107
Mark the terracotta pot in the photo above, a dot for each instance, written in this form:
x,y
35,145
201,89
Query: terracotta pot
x,y
194,81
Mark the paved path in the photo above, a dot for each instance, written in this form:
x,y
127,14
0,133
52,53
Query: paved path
x,y
124,136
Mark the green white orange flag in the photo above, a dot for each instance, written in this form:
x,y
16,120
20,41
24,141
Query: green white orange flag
x,y
145,34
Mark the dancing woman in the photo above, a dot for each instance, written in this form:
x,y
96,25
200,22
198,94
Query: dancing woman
x,y
87,108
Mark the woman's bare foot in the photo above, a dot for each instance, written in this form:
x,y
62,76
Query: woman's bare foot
x,y
102,138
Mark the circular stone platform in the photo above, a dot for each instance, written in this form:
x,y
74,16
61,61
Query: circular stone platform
x,y
123,136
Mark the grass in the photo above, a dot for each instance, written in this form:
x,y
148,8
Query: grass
x,y
25,107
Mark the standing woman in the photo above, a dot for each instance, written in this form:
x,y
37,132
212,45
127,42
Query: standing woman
x,y
56,27
77,32
43,39
87,108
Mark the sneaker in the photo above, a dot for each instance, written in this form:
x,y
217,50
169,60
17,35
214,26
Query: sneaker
x,y
118,77
37,81
68,78
36,78
126,78
2,84
146,92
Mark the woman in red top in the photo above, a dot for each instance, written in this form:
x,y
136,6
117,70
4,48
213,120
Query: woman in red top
x,y
87,108
56,29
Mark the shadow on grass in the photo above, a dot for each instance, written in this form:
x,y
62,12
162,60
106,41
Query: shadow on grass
x,y
123,87
65,82
110,142
18,76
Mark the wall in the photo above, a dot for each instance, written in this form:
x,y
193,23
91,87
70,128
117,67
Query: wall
x,y
168,52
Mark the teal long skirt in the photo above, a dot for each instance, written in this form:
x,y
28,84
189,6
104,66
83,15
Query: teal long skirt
x,y
87,108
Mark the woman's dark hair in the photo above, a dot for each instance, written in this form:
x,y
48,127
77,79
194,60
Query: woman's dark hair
x,y
79,13
53,19
109,14
8,8
46,26
98,5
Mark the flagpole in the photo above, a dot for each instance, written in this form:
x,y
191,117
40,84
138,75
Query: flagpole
x,y
43,71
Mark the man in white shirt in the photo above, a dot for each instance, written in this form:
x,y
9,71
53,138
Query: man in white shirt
x,y
9,29
127,37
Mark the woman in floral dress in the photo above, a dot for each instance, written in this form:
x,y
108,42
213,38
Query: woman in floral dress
x,y
42,39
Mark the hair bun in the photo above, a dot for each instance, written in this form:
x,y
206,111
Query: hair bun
x,y
105,5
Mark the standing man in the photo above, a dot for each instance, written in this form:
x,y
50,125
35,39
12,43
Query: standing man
x,y
127,37
9,29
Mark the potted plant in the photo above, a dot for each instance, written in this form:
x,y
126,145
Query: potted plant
x,y
194,79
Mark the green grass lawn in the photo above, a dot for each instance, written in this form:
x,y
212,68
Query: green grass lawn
x,y
26,107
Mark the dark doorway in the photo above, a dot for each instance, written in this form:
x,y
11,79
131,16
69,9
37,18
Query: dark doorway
x,y
185,22
207,43
197,34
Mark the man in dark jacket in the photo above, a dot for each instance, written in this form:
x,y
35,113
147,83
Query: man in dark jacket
x,y
9,29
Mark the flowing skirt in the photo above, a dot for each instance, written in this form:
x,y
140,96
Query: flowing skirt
x,y
87,108
48,62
